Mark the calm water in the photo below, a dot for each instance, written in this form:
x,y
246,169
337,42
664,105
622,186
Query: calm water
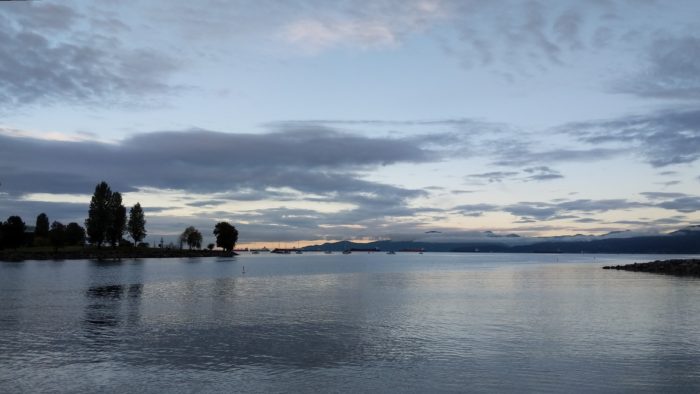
x,y
348,323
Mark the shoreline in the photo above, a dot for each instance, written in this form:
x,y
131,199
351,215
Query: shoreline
x,y
108,254
678,267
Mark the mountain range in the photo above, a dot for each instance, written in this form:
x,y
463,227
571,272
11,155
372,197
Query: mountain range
x,y
685,240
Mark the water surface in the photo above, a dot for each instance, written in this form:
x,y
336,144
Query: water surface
x,y
348,323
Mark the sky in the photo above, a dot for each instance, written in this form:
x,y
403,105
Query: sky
x,y
307,121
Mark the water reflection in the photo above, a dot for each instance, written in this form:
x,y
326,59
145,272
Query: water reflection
x,y
107,305
346,325
111,304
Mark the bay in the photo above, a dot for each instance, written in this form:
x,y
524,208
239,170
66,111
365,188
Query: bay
x,y
436,322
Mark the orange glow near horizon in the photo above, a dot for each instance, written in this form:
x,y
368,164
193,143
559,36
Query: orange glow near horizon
x,y
294,244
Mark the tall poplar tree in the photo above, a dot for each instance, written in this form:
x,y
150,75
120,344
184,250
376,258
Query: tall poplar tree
x,y
98,220
136,225
117,219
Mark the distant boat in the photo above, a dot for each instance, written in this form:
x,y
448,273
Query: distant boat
x,y
391,252
255,252
368,250
298,252
347,251
328,252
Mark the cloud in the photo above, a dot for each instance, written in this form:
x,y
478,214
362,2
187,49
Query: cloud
x,y
672,70
532,210
510,36
563,209
474,210
316,35
502,144
539,173
52,52
47,56
493,176
542,173
521,153
662,195
529,211
646,222
198,160
312,166
685,204
663,139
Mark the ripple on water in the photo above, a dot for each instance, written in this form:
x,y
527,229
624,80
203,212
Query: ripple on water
x,y
376,323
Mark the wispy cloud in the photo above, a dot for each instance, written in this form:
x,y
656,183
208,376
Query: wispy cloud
x,y
672,70
664,138
538,173
316,35
492,176
48,57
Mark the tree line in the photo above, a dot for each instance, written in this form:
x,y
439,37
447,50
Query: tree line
x,y
106,224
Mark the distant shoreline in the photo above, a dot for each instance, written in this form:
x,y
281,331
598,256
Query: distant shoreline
x,y
108,253
679,267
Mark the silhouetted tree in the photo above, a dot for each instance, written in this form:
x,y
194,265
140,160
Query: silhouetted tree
x,y
226,236
42,226
98,220
2,235
137,223
192,237
75,234
210,246
117,219
194,240
57,235
13,232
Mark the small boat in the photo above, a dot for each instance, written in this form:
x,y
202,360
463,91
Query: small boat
x,y
298,252
255,252
391,252
328,252
346,252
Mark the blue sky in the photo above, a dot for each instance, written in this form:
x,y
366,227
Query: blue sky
x,y
301,121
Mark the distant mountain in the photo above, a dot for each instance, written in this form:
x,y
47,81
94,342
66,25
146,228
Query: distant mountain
x,y
686,240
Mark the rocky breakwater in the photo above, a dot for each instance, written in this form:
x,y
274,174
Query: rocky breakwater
x,y
684,267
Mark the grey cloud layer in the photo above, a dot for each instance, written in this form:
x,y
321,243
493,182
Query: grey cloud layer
x,y
75,52
311,162
530,212
48,55
318,165
538,173
664,138
672,70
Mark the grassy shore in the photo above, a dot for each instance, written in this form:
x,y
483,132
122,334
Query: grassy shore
x,y
684,267
105,253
